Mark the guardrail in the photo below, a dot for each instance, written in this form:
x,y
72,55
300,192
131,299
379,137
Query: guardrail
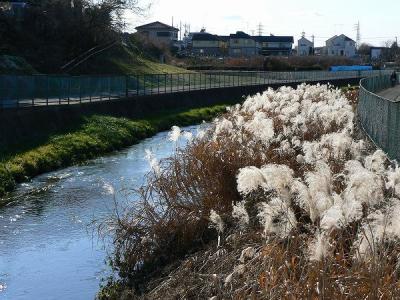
x,y
38,90
380,117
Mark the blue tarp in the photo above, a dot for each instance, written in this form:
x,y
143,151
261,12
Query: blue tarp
x,y
350,68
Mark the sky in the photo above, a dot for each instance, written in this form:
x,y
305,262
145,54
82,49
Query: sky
x,y
379,19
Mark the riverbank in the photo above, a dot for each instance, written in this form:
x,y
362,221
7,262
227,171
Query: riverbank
x,y
91,137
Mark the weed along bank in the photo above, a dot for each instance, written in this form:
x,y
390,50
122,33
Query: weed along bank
x,y
276,189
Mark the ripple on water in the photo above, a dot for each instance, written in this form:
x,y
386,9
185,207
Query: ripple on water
x,y
55,218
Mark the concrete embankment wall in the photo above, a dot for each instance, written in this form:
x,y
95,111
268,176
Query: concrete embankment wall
x,y
17,125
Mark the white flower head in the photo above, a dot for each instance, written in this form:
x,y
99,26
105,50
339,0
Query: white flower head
x,y
239,213
153,162
216,221
319,247
174,134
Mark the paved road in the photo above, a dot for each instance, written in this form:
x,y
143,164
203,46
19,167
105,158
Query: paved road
x,y
392,93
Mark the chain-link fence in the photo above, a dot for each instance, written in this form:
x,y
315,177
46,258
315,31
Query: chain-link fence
x,y
380,117
21,91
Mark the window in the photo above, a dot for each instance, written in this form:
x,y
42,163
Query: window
x,y
235,41
163,34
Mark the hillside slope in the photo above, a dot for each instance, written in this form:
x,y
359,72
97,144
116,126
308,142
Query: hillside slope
x,y
124,59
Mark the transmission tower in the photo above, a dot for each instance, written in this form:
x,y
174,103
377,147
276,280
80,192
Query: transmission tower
x,y
358,29
260,29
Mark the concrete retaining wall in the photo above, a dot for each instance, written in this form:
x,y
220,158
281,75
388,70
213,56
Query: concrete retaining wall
x,y
17,125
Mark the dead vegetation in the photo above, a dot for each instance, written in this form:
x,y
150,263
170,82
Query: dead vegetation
x,y
244,213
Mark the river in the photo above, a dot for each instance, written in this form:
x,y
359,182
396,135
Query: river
x,y
49,248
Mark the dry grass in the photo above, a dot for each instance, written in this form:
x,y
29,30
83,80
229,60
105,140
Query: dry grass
x,y
165,248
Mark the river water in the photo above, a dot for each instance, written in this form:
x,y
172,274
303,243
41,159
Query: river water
x,y
49,248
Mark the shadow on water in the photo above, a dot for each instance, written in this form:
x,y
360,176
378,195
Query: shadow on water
x,y
49,248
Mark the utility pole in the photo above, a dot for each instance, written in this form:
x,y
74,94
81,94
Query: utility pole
x,y
260,29
180,30
358,29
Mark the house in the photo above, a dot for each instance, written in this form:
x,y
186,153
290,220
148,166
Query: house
x,y
341,45
207,44
275,45
239,44
377,53
159,32
242,44
305,47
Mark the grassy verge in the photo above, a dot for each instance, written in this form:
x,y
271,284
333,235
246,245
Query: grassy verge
x,y
124,60
95,135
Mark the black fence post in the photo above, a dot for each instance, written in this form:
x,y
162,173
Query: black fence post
x,y
144,84
151,83
158,83
80,89
137,84
165,83
126,86
69,89
47,91
109,88
90,88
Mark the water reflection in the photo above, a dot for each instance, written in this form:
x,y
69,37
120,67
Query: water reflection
x,y
47,250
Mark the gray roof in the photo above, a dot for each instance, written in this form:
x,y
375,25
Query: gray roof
x,y
274,39
156,25
240,35
346,38
203,36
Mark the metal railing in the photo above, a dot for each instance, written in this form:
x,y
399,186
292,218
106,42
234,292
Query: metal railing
x,y
379,116
38,90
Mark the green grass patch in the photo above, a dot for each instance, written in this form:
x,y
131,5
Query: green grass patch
x,y
124,60
95,135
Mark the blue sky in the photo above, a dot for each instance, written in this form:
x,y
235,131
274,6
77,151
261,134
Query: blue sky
x,y
380,20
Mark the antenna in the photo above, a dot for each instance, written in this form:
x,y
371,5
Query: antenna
x,y
357,27
260,29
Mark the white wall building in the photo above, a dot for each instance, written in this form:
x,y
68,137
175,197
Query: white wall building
x,y
341,45
305,47
159,32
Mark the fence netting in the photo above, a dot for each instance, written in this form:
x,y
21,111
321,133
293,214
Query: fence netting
x,y
380,117
29,90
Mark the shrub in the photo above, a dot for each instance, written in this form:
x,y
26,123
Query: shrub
x,y
287,172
